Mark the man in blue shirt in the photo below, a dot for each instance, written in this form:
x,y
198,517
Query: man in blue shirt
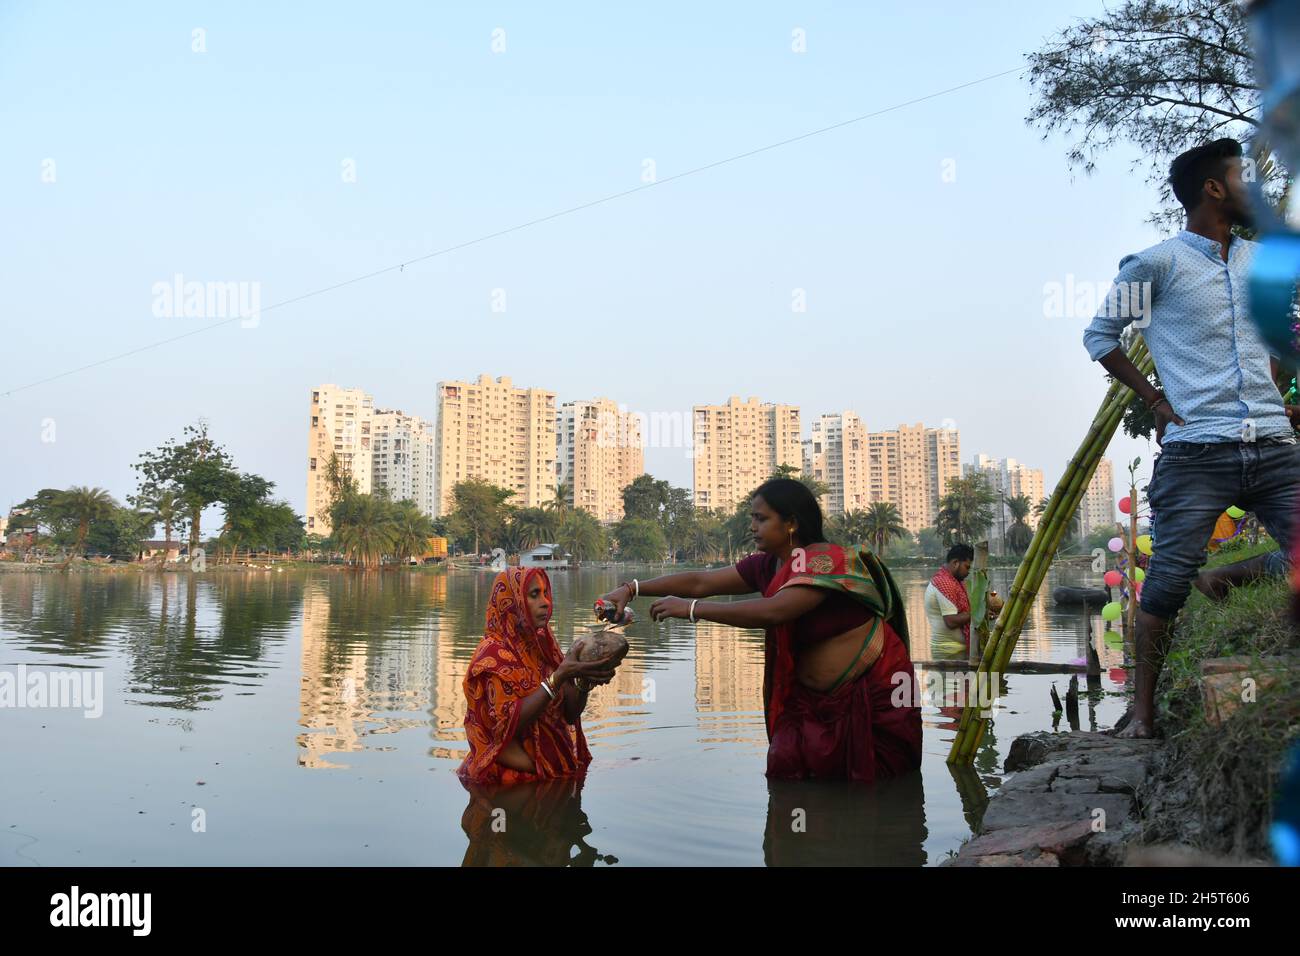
x,y
1226,438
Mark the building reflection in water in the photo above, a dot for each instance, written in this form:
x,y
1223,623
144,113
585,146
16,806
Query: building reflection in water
x,y
356,683
729,685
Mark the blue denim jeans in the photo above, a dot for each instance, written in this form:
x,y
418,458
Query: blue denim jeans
x,y
1193,483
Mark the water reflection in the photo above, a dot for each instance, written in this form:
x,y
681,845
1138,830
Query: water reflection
x,y
336,671
532,824
842,824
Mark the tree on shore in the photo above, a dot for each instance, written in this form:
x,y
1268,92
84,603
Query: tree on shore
x,y
1019,534
581,536
967,510
1161,75
163,506
198,470
478,512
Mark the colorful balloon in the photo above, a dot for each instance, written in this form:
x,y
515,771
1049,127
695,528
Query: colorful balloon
x,y
1115,544
1234,512
1139,575
1112,579
1144,543
1126,504
1111,611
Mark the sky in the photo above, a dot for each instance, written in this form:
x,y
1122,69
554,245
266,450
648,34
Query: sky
x,y
294,149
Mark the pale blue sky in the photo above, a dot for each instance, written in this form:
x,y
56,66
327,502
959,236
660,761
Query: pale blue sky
x,y
925,297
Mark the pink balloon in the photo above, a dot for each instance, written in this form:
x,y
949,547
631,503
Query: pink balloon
x,y
1112,579
1125,504
1115,544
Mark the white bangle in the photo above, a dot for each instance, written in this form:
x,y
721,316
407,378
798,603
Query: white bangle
x,y
637,586
547,687
692,614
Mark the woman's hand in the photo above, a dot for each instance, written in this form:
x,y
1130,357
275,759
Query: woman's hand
x,y
667,607
620,597
593,672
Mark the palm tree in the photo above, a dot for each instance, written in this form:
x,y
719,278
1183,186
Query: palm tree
x,y
83,505
966,511
563,500
364,529
165,507
412,529
883,524
1019,534
581,536
530,527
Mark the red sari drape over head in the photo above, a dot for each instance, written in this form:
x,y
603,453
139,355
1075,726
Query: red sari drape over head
x,y
855,731
510,663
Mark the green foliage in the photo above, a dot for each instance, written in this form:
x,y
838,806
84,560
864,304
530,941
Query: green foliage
x,y
1019,534
967,510
641,539
118,534
930,542
529,527
1161,75
198,471
581,536
478,514
645,498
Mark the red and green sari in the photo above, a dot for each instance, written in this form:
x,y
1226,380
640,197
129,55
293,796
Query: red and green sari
x,y
510,663
854,730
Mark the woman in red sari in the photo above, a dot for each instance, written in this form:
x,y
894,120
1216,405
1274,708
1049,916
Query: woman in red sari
x,y
524,698
836,646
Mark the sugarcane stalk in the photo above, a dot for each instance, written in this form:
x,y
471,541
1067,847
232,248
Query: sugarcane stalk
x,y
971,730
1047,538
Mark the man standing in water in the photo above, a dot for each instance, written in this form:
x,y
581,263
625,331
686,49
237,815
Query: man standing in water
x,y
1230,440
947,606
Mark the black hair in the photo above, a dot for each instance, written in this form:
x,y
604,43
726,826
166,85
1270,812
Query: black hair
x,y
1189,171
792,499
960,552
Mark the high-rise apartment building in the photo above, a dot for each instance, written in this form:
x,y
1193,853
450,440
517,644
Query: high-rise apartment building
x,y
340,425
909,467
402,458
837,455
496,432
738,445
599,453
1008,478
1097,510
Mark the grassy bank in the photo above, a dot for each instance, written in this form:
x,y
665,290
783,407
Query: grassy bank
x,y
1213,784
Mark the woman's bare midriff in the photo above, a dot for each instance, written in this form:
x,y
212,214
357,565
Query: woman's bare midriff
x,y
820,666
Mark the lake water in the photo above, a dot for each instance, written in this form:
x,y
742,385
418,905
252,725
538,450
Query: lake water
x,y
315,718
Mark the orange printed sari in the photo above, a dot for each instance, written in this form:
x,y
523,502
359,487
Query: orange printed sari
x,y
510,663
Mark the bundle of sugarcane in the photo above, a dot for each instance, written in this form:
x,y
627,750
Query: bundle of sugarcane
x,y
1033,568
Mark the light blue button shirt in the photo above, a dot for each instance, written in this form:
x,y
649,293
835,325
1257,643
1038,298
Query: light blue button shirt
x,y
1213,364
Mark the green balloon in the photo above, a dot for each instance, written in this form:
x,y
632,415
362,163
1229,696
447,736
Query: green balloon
x,y
1111,611
1234,512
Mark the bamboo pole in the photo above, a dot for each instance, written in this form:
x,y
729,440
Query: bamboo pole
x,y
1047,538
1130,612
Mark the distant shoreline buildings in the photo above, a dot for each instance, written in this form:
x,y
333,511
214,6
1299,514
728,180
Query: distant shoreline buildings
x,y
519,438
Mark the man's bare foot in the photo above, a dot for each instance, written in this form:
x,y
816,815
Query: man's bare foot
x,y
1135,730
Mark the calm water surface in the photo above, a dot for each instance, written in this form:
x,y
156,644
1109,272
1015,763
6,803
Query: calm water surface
x,y
315,718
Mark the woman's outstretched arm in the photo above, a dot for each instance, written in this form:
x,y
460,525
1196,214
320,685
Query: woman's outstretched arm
x,y
782,607
696,584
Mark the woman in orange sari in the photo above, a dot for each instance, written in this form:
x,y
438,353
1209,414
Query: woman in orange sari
x,y
836,649
525,699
